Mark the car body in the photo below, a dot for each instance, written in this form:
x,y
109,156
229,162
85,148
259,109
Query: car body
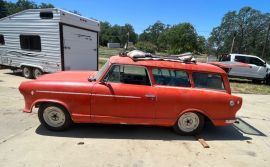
x,y
245,66
146,92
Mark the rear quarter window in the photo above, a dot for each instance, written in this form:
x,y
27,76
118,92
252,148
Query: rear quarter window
x,y
208,81
170,77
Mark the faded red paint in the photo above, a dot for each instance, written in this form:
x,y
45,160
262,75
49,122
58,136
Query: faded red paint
x,y
93,102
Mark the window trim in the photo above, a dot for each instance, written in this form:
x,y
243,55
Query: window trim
x,y
187,72
109,69
220,90
30,35
4,42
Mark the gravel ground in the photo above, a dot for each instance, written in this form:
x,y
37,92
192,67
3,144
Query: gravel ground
x,y
23,142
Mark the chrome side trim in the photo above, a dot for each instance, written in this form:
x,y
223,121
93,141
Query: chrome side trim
x,y
87,94
106,95
56,92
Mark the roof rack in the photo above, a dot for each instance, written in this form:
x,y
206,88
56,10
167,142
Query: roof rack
x,y
137,55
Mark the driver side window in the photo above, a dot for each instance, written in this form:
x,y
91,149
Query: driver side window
x,y
128,74
256,61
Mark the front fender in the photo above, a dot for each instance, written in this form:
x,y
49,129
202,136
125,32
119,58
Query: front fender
x,y
38,102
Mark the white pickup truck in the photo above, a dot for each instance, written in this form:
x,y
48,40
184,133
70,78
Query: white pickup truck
x,y
245,66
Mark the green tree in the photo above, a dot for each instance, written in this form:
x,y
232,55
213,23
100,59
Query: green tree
x,y
3,9
180,38
116,33
45,5
153,32
248,26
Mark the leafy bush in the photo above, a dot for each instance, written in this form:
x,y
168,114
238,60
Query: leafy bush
x,y
146,47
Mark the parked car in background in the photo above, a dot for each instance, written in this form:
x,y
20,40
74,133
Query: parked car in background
x,y
146,90
245,66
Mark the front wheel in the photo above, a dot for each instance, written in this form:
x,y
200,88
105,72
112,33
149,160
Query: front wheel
x,y
54,117
189,123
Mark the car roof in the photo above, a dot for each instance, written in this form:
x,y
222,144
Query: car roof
x,y
235,54
200,67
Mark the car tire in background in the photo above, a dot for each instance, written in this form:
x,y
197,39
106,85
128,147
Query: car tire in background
x,y
189,123
267,79
256,81
37,72
27,72
54,117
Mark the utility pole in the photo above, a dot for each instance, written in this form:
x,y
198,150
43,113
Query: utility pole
x,y
234,35
266,41
127,39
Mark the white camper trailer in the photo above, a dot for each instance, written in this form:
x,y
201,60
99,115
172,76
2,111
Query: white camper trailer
x,y
48,40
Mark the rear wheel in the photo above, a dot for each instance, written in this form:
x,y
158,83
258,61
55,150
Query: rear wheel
x,y
37,72
54,117
256,81
267,80
27,72
189,123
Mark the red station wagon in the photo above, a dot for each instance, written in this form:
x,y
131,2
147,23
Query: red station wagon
x,y
127,90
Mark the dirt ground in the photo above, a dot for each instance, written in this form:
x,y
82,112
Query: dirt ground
x,y
23,142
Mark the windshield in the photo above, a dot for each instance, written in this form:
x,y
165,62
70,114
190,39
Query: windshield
x,y
102,70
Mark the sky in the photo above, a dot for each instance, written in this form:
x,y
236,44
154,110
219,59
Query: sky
x,y
204,15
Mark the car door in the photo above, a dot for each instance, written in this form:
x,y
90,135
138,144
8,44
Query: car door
x,y
125,95
258,68
173,93
239,67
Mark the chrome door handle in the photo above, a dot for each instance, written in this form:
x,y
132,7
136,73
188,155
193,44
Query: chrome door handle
x,y
152,97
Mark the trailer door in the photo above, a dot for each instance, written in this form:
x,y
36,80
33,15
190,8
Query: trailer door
x,y
80,49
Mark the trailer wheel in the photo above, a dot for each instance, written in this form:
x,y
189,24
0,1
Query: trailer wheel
x,y
37,72
27,72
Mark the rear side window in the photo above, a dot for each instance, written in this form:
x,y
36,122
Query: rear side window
x,y
128,74
2,39
30,42
170,77
241,59
209,81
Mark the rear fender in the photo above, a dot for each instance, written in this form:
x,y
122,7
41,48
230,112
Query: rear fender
x,y
195,111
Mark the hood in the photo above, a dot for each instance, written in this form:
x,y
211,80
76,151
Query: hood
x,y
68,76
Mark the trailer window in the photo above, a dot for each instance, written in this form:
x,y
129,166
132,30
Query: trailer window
x,y
2,39
30,42
46,15
209,81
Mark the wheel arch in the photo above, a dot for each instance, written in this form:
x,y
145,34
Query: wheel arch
x,y
40,102
31,66
203,113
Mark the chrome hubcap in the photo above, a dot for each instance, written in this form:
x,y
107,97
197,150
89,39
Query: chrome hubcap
x,y
188,122
54,116
26,72
37,73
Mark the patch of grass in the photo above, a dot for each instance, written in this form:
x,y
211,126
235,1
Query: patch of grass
x,y
105,52
247,87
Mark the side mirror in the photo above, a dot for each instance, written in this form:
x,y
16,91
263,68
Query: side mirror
x,y
92,79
